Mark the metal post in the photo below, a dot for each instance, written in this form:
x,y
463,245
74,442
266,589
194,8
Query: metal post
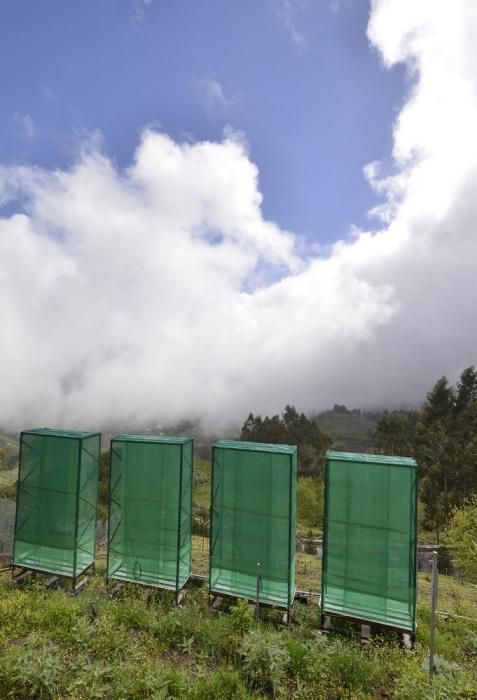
x,y
257,604
433,615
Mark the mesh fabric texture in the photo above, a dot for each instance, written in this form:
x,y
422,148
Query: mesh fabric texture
x,y
370,539
150,510
253,520
55,524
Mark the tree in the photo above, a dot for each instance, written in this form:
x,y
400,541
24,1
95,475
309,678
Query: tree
x,y
461,535
446,447
396,433
291,428
442,437
310,502
466,389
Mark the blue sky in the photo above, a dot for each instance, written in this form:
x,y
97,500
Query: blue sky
x,y
141,280
298,78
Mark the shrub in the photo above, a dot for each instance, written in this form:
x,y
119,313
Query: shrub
x,y
352,670
450,681
462,536
31,668
241,616
310,502
299,658
225,684
264,659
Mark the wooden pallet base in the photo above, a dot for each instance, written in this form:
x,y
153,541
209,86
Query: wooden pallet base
x,y
52,581
366,629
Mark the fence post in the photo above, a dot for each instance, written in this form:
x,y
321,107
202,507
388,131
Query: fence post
x,y
257,605
433,615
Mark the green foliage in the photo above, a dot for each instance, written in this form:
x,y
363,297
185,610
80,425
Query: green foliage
x,y
450,681
461,535
139,645
291,428
396,433
226,684
310,502
353,670
241,616
264,660
442,437
31,669
9,491
103,490
351,430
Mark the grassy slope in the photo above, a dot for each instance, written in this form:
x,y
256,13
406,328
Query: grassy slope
x,y
350,432
138,645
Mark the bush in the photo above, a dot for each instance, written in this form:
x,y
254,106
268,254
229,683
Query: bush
x,y
264,659
461,535
31,669
449,681
299,660
225,684
241,616
310,502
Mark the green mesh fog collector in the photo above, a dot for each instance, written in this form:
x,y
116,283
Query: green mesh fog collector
x,y
57,491
253,521
150,510
370,539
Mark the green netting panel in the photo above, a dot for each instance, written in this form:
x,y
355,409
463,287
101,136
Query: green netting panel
x,y
150,510
55,524
370,539
253,520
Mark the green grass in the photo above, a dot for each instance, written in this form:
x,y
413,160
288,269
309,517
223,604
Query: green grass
x,y
7,477
138,645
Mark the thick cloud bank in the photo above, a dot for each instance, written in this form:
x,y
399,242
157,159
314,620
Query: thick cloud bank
x,y
161,291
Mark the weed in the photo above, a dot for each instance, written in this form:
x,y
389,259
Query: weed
x,y
264,659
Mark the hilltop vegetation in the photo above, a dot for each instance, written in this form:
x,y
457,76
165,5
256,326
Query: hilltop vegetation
x,y
442,437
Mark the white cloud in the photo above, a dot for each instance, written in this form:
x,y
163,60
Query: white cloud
x,y
161,291
336,6
139,9
213,97
24,125
287,11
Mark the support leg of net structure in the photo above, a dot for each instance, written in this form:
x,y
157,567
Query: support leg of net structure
x,y
365,633
257,600
20,578
287,616
180,595
52,581
326,623
79,585
80,580
217,602
433,615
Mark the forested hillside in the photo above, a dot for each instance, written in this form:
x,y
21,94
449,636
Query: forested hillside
x,y
442,437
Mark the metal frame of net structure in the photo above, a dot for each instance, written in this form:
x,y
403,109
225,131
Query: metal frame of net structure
x,y
150,510
253,521
369,564
57,492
